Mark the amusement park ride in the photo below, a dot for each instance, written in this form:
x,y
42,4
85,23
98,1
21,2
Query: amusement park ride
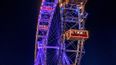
x,y
67,46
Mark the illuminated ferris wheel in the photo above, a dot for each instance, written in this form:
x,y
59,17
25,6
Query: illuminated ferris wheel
x,y
60,33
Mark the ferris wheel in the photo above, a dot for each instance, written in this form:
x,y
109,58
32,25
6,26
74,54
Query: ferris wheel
x,y
60,32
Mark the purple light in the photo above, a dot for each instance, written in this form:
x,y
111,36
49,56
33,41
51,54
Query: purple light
x,y
47,11
46,8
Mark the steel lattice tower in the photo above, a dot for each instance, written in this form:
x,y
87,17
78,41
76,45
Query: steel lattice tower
x,y
60,42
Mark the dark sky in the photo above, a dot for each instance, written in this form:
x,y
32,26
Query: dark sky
x,y
18,20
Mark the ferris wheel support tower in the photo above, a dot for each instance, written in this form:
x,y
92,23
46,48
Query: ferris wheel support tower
x,y
73,18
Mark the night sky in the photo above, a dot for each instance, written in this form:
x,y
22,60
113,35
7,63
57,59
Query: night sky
x,y
18,20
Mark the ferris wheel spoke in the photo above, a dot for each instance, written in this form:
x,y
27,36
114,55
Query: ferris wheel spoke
x,y
73,25
66,59
66,25
72,45
71,55
51,40
70,60
69,44
52,36
52,30
50,59
53,59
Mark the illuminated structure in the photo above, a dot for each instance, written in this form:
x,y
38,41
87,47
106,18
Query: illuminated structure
x,y
67,49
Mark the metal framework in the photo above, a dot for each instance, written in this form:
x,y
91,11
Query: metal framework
x,y
63,44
